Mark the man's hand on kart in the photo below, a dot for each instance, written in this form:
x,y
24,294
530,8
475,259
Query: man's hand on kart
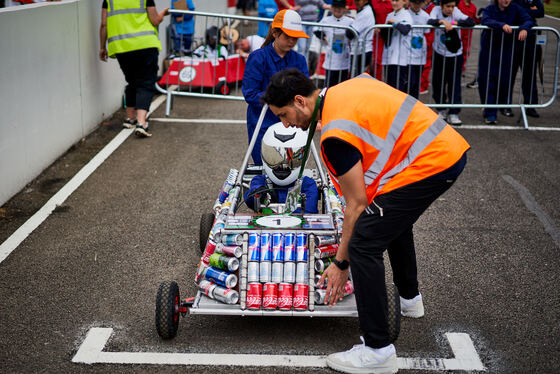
x,y
336,282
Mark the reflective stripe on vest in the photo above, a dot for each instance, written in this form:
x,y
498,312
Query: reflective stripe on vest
x,y
141,9
132,35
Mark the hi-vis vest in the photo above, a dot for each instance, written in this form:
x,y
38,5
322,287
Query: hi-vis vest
x,y
128,27
401,140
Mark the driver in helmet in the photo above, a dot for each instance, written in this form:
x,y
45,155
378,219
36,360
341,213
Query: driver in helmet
x,y
282,153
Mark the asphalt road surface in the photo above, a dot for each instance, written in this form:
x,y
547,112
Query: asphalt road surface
x,y
488,256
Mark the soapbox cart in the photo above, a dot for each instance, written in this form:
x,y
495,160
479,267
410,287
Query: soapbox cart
x,y
229,219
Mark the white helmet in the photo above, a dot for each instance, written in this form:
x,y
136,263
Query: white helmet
x,y
282,153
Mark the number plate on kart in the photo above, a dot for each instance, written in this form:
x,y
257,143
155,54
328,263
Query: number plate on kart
x,y
278,221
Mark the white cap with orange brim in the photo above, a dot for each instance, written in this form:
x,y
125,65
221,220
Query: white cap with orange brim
x,y
290,22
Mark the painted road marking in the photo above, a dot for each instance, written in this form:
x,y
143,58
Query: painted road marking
x,y
10,244
91,352
198,120
534,207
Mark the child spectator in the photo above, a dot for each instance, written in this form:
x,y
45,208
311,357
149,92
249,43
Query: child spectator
x,y
396,54
337,59
211,50
308,10
364,21
425,79
266,9
496,53
182,28
448,57
469,9
275,54
381,8
418,48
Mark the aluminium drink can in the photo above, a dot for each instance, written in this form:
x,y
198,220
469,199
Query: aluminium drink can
x,y
229,250
208,251
265,270
232,239
207,288
200,270
270,296
285,296
221,277
326,251
224,262
290,247
301,247
266,247
322,240
302,273
322,264
277,272
321,293
301,297
289,272
252,271
277,247
254,247
254,296
226,295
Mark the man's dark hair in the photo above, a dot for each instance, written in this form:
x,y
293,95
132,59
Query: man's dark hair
x,y
443,2
285,85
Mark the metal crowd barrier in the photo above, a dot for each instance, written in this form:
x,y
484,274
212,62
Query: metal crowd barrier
x,y
213,77
542,57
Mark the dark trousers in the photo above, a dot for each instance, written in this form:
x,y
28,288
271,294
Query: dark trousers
x,y
527,57
414,75
333,77
397,76
140,71
387,224
358,68
446,80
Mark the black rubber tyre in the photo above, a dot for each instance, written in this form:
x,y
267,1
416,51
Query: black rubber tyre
x,y
167,309
394,312
222,88
206,222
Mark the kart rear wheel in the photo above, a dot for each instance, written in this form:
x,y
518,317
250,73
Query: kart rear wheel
x,y
394,312
223,88
167,309
206,222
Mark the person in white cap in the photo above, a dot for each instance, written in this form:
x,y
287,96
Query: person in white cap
x,y
276,54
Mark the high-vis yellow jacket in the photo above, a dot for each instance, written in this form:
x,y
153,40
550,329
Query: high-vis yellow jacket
x,y
128,27
401,140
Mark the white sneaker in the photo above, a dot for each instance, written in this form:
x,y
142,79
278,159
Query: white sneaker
x,y
364,359
413,308
443,114
453,119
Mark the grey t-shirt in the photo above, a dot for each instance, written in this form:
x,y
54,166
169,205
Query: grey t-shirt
x,y
309,9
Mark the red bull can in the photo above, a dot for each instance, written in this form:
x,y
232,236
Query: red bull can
x,y
277,272
302,273
253,271
270,296
232,239
290,247
266,247
301,297
289,272
301,248
254,296
277,247
285,296
265,270
326,251
254,247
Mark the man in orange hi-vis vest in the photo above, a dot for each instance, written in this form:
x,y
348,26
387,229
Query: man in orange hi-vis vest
x,y
390,156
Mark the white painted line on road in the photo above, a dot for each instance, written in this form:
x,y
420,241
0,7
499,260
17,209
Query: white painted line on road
x,y
198,120
494,127
534,207
10,244
556,18
91,352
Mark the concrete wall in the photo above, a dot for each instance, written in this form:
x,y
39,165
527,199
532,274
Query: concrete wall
x,y
54,90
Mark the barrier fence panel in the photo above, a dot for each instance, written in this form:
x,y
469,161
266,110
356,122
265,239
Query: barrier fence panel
x,y
197,69
495,71
488,69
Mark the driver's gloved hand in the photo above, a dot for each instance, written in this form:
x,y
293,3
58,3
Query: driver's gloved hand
x,y
263,194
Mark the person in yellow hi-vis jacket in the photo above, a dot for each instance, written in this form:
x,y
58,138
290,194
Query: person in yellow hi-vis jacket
x,y
390,156
129,28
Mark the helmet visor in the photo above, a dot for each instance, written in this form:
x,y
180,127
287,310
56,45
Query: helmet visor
x,y
282,160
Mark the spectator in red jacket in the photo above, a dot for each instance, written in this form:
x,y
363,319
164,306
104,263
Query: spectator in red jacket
x,y
468,8
425,80
380,9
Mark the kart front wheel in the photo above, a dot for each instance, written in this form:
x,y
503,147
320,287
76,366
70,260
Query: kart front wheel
x,y
206,222
167,309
